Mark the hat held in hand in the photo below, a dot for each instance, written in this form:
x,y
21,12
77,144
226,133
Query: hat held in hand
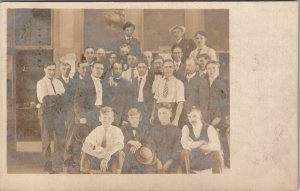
x,y
145,156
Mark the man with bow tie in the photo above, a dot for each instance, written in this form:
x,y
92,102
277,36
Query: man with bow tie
x,y
117,94
129,39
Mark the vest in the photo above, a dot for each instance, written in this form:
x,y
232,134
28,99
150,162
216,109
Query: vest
x,y
203,135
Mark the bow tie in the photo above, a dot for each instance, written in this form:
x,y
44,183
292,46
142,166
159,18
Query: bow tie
x,y
117,79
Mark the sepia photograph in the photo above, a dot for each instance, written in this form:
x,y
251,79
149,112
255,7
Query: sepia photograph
x,y
118,91
149,96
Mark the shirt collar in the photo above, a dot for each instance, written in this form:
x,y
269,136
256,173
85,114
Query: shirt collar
x,y
94,78
178,41
190,76
171,77
212,79
65,79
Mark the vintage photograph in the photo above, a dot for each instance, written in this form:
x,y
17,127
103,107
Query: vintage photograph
x,y
118,91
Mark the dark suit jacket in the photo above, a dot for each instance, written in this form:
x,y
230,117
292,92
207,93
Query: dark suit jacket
x,y
196,92
187,46
180,73
134,45
147,93
218,99
119,98
84,100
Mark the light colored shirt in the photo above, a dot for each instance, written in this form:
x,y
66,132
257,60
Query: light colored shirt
x,y
99,91
141,92
45,88
156,81
93,142
66,80
189,144
204,50
175,91
127,74
190,76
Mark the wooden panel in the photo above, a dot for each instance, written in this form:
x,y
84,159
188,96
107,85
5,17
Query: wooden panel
x,y
66,28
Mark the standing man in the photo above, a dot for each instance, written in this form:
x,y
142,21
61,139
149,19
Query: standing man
x,y
201,61
187,45
166,138
169,90
117,94
132,71
142,92
179,70
89,57
50,94
129,39
124,51
196,89
201,145
200,41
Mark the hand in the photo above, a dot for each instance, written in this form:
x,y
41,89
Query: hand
x,y
104,165
107,155
158,164
82,120
133,149
201,143
175,122
167,165
216,121
111,81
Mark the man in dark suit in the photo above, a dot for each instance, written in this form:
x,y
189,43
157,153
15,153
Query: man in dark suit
x,y
196,89
117,94
187,45
142,92
179,64
134,43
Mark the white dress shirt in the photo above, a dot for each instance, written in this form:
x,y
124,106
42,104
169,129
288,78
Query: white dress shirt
x,y
175,91
141,87
99,91
204,50
44,88
189,144
93,142
156,81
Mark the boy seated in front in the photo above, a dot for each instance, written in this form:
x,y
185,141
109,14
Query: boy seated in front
x,y
102,149
201,145
138,145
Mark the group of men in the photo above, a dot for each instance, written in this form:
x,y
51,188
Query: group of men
x,y
128,112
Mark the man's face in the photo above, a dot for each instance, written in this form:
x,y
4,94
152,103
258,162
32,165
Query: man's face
x,y
148,56
177,33
117,70
142,69
83,68
177,54
201,62
157,65
164,115
212,69
65,70
131,61
129,31
168,68
200,40
106,119
89,54
100,54
190,67
97,70
112,59
194,117
50,71
125,50
134,120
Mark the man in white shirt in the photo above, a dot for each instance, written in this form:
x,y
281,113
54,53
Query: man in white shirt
x,y
169,90
50,94
201,145
200,41
102,148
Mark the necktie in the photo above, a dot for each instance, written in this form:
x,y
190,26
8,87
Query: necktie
x,y
166,89
104,139
67,80
132,73
134,132
53,86
198,52
140,81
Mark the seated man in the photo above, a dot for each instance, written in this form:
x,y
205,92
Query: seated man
x,y
166,138
102,149
201,145
137,142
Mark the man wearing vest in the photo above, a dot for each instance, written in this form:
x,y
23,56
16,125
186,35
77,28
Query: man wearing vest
x,y
201,145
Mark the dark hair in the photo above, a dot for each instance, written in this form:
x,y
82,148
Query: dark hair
x,y
176,46
165,105
50,63
128,24
65,64
168,60
159,57
202,33
193,108
106,110
143,61
203,56
80,62
94,63
88,48
211,62
116,63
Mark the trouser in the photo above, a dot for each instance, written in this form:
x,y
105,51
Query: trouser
x,y
91,164
145,113
52,129
197,160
